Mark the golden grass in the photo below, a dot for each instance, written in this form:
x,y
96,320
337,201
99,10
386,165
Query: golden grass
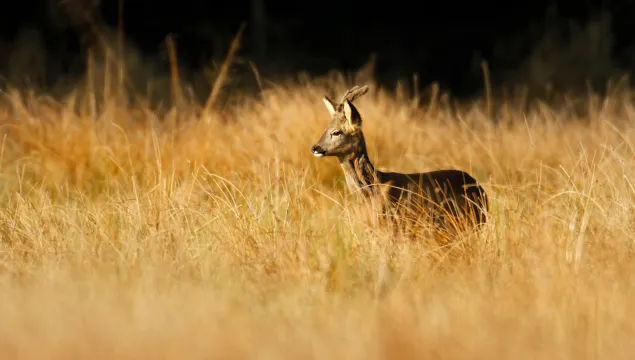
x,y
127,235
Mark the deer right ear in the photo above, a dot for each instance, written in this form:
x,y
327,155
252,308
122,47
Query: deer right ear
x,y
329,105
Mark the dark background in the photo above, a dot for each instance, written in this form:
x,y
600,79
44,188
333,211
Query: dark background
x,y
441,41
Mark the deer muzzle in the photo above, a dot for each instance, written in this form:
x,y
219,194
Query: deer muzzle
x,y
317,151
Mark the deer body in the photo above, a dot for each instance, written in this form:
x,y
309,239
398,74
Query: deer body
x,y
439,194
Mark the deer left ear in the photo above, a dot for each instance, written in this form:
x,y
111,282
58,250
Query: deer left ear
x,y
351,114
329,105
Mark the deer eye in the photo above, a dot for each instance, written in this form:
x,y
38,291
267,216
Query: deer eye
x,y
336,133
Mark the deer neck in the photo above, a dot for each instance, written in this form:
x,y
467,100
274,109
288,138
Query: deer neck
x,y
359,172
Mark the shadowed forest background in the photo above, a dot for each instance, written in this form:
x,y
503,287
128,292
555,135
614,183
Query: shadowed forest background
x,y
565,44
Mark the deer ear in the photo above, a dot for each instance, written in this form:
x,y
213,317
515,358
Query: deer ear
x,y
351,114
329,105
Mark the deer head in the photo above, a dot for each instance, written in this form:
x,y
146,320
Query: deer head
x,y
343,136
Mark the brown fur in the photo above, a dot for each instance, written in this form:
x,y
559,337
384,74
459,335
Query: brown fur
x,y
448,197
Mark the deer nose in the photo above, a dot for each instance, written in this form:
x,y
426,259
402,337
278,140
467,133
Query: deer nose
x,y
317,151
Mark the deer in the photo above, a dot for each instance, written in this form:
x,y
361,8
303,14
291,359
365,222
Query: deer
x,y
445,197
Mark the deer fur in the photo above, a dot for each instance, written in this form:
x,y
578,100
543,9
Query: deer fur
x,y
443,195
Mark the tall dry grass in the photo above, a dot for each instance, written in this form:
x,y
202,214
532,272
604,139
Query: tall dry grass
x,y
127,234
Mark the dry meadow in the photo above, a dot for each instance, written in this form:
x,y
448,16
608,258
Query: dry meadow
x,y
127,233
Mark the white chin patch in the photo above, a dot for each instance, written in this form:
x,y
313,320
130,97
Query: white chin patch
x,y
318,154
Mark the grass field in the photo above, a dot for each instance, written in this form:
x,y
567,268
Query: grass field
x,y
127,234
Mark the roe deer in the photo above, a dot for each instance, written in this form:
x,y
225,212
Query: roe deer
x,y
440,194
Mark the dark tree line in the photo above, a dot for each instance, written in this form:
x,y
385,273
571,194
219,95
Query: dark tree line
x,y
437,40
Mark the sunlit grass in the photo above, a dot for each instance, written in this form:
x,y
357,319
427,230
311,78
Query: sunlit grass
x,y
129,234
